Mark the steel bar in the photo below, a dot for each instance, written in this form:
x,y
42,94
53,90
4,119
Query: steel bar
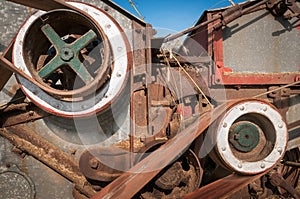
x,y
128,184
28,141
188,30
15,117
292,164
224,187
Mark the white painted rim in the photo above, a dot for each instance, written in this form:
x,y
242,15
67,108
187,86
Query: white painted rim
x,y
223,145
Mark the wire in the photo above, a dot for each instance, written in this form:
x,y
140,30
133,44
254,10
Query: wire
x,y
136,10
277,89
193,81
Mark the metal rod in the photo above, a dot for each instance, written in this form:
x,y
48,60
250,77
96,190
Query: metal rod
x,y
28,141
292,164
188,30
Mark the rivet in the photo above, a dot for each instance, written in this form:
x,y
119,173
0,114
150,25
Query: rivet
x,y
265,108
225,125
242,108
279,150
120,49
223,148
262,165
280,125
240,165
119,74
108,26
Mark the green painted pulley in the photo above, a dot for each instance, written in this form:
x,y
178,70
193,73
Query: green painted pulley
x,y
244,136
67,52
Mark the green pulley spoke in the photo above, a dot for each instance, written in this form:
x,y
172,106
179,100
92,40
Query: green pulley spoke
x,y
67,54
84,40
53,37
81,71
51,66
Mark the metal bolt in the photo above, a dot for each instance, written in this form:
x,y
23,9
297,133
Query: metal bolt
x,y
265,109
119,74
240,165
94,163
262,165
120,49
223,148
31,113
225,125
108,26
242,108
279,150
280,125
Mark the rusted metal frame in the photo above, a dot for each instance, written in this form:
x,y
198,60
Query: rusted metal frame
x,y
15,117
129,183
222,75
278,181
224,187
148,62
28,141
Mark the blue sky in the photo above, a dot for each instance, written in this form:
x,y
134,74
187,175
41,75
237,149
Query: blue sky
x,y
175,15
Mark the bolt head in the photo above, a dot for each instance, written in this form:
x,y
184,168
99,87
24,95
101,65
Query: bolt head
x,y
94,163
66,54
262,165
279,150
240,165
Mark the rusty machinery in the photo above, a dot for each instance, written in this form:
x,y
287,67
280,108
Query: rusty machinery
x,y
100,107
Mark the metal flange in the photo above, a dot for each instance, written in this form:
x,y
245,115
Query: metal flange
x,y
250,138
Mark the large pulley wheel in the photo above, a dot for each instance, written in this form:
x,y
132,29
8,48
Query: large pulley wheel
x,y
250,138
83,60
67,52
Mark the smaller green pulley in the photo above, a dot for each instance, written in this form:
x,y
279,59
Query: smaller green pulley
x,y
67,54
244,136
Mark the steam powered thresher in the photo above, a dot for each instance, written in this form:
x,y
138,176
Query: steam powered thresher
x,y
100,107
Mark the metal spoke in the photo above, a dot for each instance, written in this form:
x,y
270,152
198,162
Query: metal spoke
x,y
53,37
51,66
84,40
81,71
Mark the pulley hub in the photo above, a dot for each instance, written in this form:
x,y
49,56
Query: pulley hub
x,y
244,136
